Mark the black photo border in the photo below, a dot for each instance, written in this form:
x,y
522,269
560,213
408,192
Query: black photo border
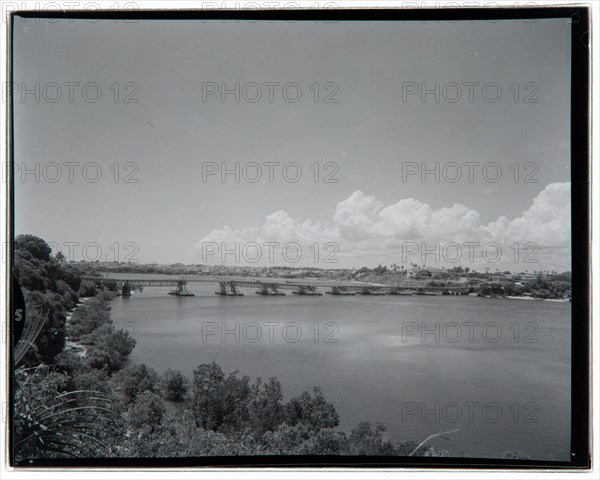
x,y
580,235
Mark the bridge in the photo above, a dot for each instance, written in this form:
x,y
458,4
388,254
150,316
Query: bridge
x,y
231,286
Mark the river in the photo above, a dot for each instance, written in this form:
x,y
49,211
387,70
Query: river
x,y
497,369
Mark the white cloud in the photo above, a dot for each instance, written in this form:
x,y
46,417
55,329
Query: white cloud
x,y
369,232
546,222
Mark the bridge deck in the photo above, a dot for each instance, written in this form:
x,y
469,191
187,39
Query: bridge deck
x,y
280,285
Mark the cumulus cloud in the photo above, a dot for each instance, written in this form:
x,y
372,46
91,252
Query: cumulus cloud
x,y
546,222
367,232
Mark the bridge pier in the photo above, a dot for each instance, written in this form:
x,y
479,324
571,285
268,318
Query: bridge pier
x,y
270,289
340,291
229,289
306,290
126,290
181,290
399,291
371,291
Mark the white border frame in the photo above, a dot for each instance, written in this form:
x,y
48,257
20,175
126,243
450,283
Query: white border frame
x,y
297,473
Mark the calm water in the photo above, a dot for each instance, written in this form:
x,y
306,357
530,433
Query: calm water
x,y
503,380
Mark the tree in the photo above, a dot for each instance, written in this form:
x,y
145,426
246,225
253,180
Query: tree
x,y
174,385
30,273
220,403
368,440
146,411
89,317
69,297
380,270
264,407
235,395
325,442
313,411
133,381
34,246
300,439
207,388
51,339
87,289
69,363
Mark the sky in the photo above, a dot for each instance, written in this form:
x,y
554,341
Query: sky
x,y
161,121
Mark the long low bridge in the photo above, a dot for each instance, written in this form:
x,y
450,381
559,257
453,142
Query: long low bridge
x,y
231,286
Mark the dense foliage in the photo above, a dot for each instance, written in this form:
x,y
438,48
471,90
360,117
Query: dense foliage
x,y
49,289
